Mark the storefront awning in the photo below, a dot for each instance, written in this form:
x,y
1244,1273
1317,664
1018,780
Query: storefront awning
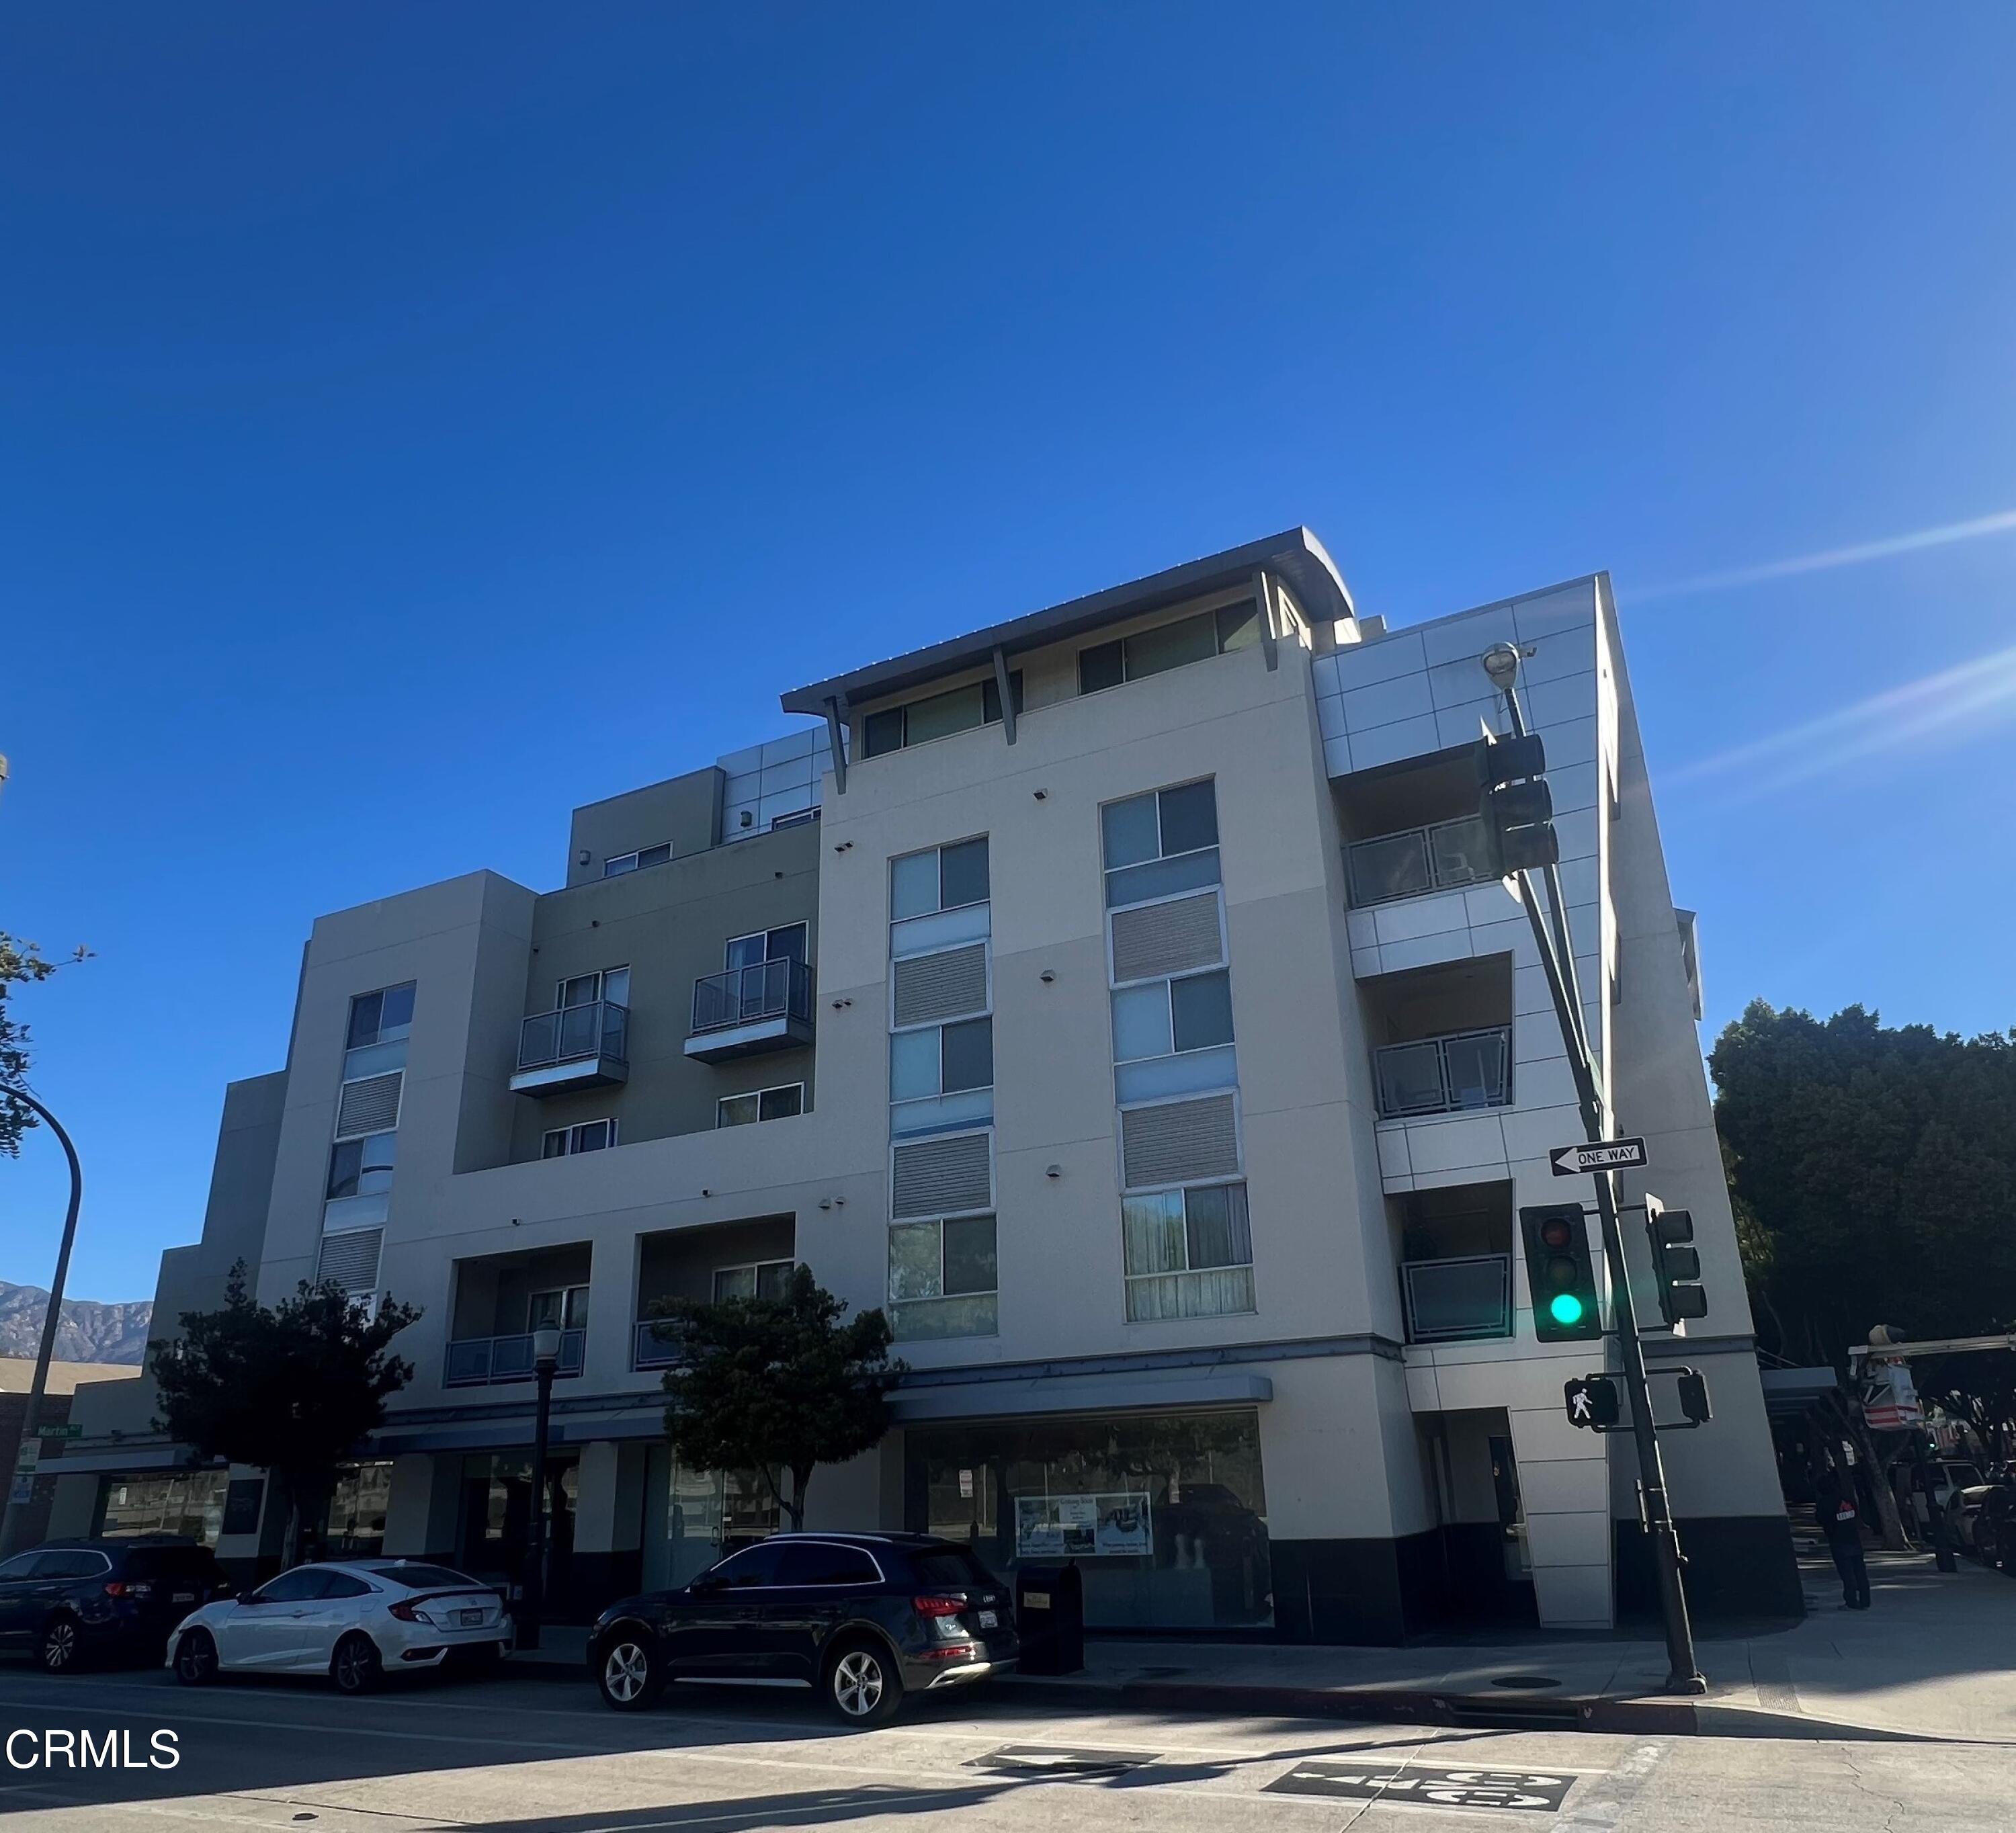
x,y
1148,1391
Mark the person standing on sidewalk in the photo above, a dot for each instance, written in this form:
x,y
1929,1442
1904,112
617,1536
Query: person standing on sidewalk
x,y
1841,1522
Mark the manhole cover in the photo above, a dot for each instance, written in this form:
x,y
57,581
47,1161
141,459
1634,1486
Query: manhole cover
x,y
1524,1680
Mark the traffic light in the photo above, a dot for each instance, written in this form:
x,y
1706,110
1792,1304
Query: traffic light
x,y
1676,1265
1562,1273
1517,805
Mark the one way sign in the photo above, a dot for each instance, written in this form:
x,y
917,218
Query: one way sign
x,y
1605,1155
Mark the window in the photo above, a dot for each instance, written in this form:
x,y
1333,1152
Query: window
x,y
612,984
587,1135
795,820
787,943
1160,844
622,862
1173,1037
19,1567
190,1503
382,1018
822,1562
944,878
1189,1252
565,1306
752,1569
941,1076
943,1281
778,1104
344,1585
1168,645
765,1279
301,1585
417,1576
938,716
72,1562
361,1168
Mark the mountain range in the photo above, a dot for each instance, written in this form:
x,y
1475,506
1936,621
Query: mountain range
x,y
89,1331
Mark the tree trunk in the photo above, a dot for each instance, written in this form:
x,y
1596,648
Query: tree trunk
x,y
290,1541
1889,1521
801,1482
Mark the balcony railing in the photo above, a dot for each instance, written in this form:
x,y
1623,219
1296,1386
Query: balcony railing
x,y
769,989
648,1350
1458,1301
1405,864
600,1030
478,1361
1449,1074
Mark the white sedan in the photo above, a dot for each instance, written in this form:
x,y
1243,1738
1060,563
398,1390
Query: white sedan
x,y
354,1620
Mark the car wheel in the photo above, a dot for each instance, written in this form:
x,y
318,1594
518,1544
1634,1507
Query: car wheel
x,y
196,1658
60,1649
355,1667
630,1672
862,1686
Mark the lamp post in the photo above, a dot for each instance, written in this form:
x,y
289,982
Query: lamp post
x,y
545,1359
20,1484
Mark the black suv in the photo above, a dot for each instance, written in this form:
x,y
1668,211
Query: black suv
x,y
70,1599
864,1618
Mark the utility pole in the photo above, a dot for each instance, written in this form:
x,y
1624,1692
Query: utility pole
x,y
1533,846
20,1483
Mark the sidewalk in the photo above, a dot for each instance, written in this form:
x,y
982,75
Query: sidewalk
x,y
1934,1657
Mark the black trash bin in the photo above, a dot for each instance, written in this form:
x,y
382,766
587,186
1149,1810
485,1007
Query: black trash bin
x,y
1050,1618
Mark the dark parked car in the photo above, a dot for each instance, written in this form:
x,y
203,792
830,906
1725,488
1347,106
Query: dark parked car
x,y
864,1618
69,1601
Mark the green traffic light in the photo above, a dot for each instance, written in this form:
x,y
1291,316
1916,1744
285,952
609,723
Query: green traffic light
x,y
1566,1308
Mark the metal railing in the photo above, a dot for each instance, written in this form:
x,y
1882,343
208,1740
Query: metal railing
x,y
1404,865
477,1361
601,1028
1455,1301
1450,1074
769,989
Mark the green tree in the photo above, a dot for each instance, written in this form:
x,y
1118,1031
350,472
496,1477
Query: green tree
x,y
290,1389
1873,1171
22,964
775,1384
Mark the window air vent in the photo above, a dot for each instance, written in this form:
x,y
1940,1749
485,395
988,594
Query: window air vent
x,y
370,1106
351,1260
1179,1142
952,984
1152,940
943,1176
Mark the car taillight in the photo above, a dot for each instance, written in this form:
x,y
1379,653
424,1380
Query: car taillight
x,y
406,1613
933,1605
114,1589
951,1654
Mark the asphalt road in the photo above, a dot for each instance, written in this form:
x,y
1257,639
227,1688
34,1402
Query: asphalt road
x,y
510,1756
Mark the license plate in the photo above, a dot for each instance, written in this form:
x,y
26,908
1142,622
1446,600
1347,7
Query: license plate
x,y
183,1597
471,1617
990,1619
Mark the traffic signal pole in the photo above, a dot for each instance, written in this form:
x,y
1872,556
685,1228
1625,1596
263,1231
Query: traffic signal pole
x,y
1683,1674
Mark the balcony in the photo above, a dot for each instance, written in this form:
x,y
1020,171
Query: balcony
x,y
577,1047
748,1011
1420,860
477,1362
720,1260
1458,1301
1451,1075
648,1349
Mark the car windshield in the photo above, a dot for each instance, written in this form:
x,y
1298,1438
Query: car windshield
x,y
952,1565
427,1578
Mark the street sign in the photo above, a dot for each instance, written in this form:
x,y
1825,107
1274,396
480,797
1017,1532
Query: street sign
x,y
59,1432
1591,1402
1603,1155
1540,1792
28,1456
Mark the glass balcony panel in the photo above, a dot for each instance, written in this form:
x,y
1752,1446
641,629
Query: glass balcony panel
x,y
1476,1069
477,1360
1454,1300
1410,1079
742,995
1446,1074
1459,852
1395,866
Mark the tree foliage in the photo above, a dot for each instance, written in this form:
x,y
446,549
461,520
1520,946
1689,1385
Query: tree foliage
x,y
773,1385
22,964
290,1388
1874,1172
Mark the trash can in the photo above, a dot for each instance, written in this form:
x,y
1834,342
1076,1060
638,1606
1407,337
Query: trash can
x,y
1050,1618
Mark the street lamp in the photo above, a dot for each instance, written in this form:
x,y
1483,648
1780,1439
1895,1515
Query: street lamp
x,y
545,1360
20,1483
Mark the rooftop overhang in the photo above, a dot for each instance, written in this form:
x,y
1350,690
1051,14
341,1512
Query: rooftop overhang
x,y
1294,556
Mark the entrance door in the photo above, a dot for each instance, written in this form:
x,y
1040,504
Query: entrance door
x,y
1511,1512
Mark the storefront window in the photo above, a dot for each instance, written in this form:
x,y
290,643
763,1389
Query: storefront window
x,y
356,1510
1164,1513
693,1517
187,1502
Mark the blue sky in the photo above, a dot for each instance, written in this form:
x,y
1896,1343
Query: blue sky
x,y
421,420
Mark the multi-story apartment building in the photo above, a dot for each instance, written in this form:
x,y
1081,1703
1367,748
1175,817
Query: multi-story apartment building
x,y
1114,994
